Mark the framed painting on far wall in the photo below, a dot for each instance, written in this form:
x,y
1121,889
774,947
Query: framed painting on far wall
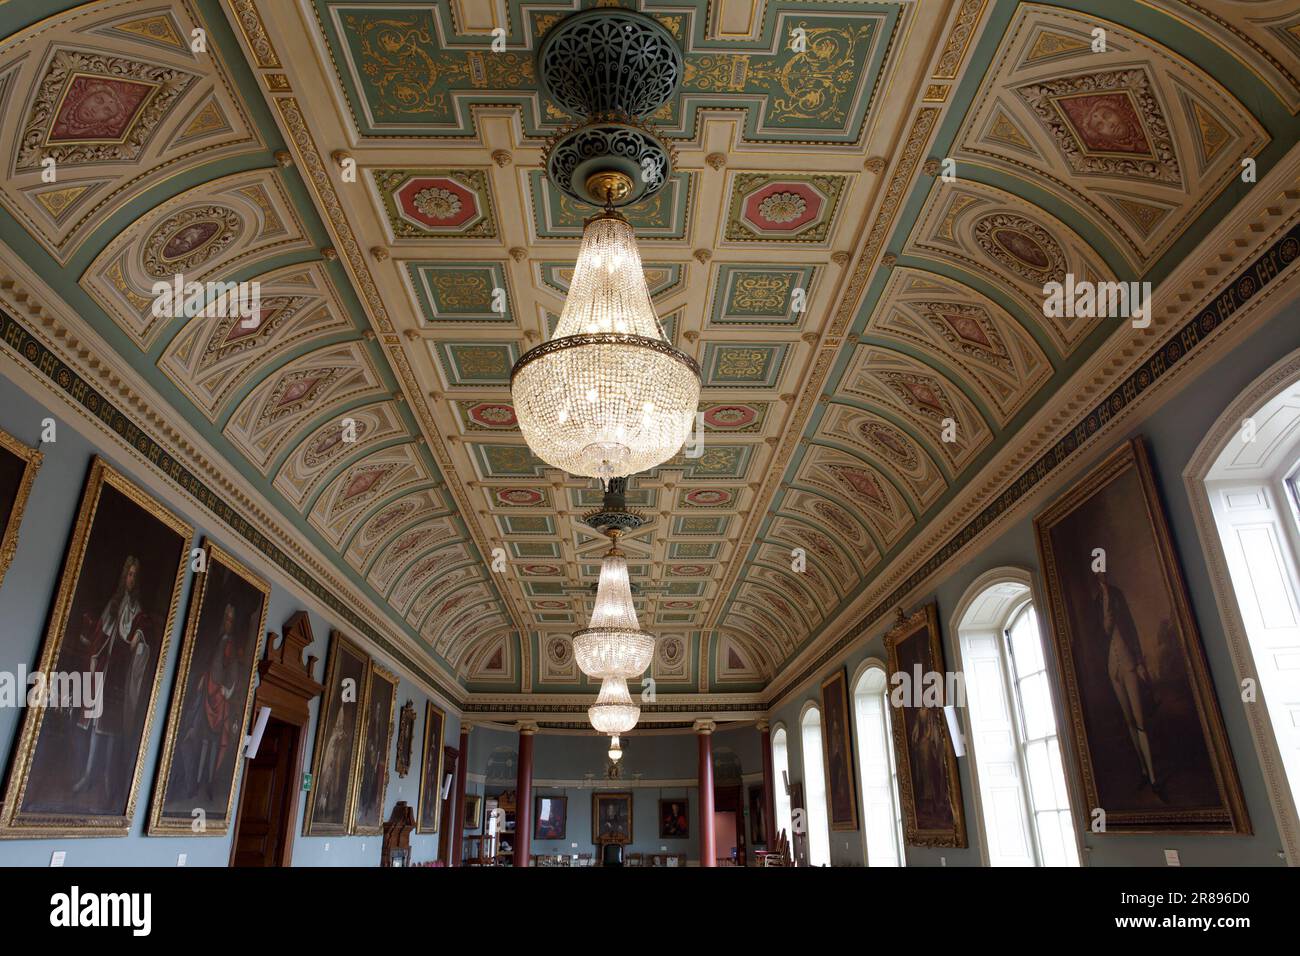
x,y
338,734
376,737
837,751
473,811
674,819
928,785
430,805
611,817
77,763
1149,743
18,465
211,699
552,818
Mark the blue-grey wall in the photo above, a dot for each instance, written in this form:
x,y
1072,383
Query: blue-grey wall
x,y
1172,432
25,600
658,759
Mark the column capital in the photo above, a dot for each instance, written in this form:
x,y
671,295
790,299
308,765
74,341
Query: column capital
x,y
465,727
763,725
705,726
527,727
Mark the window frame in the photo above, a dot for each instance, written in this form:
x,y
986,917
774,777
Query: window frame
x,y
897,831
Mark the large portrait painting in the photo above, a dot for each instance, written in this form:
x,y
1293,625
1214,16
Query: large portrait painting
x,y
194,790
928,784
674,819
376,736
551,814
77,766
18,465
841,791
426,819
1150,746
611,817
338,735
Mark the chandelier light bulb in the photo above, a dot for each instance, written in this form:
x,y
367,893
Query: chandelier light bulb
x,y
608,396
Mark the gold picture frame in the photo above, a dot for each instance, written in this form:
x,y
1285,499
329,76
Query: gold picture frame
x,y
1164,680
28,461
161,823
378,676
176,535
921,735
338,725
429,808
614,798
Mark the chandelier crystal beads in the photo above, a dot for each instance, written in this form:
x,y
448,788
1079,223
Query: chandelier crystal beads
x,y
608,395
614,711
613,644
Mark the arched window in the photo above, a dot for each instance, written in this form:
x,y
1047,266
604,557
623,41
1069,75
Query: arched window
x,y
1024,803
882,812
814,785
1244,486
781,769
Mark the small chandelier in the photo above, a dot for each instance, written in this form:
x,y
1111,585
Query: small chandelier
x,y
614,711
615,749
608,395
613,646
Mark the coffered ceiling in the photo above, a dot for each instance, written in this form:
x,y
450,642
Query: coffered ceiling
x,y
377,167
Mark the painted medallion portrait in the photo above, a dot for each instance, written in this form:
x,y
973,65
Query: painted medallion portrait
x,y
211,699
1150,746
78,762
338,731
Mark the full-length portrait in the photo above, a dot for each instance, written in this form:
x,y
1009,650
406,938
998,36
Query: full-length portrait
x,y
928,784
1150,746
334,758
79,760
211,699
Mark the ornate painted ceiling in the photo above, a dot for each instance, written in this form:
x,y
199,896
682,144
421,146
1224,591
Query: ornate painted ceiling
x,y
377,167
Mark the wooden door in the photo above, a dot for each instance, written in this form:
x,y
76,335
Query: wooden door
x,y
266,803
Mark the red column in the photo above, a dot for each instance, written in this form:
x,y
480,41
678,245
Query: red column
x,y
708,840
458,805
769,791
524,795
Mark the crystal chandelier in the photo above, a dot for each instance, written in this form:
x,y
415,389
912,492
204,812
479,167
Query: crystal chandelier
x,y
613,644
614,711
615,749
608,395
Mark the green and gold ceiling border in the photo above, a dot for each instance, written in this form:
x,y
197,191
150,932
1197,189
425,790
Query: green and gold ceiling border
x,y
410,71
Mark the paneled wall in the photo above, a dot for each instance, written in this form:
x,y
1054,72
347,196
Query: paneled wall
x,y
25,600
1172,433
